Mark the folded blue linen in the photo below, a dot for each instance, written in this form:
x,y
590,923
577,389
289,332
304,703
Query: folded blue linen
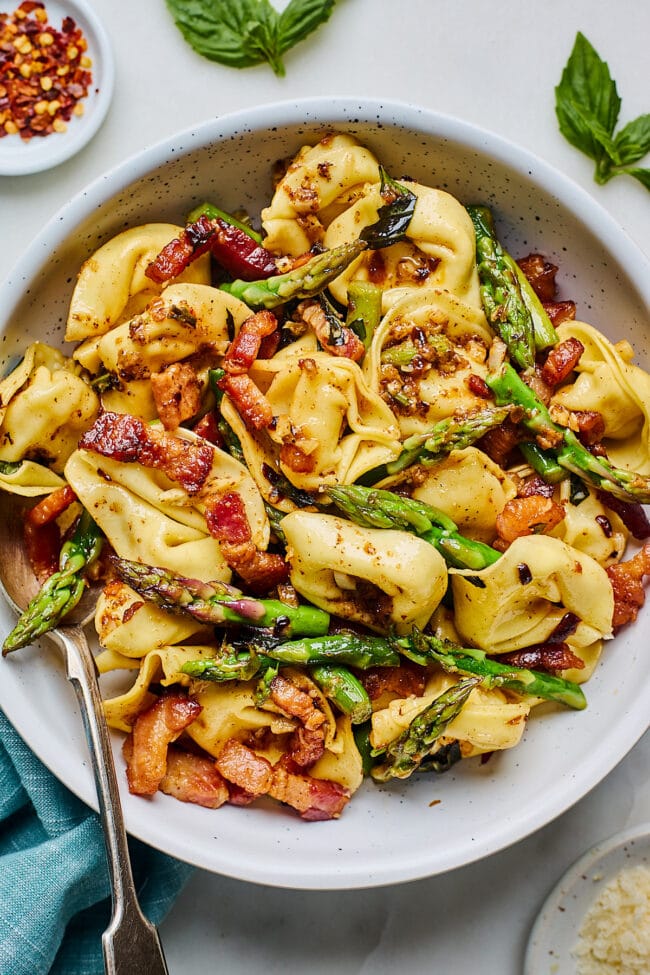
x,y
54,884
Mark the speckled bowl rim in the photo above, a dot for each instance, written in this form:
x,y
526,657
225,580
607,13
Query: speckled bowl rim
x,y
291,871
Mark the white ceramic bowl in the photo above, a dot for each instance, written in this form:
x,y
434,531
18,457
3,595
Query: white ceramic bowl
x,y
397,832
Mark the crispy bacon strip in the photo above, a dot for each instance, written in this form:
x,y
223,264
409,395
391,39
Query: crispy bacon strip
x,y
41,533
253,776
536,485
552,657
228,522
560,311
561,361
128,439
541,274
252,405
499,442
244,349
176,393
315,799
307,744
348,345
627,582
153,732
591,426
402,681
193,778
180,252
529,515
208,428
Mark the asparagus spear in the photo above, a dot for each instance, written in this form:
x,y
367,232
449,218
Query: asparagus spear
x,y
344,689
336,649
428,448
406,754
215,602
570,454
423,648
63,590
374,508
364,309
302,282
502,285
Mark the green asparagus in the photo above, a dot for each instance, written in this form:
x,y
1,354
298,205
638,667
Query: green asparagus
x,y
510,304
215,602
364,309
405,754
424,648
570,454
63,590
428,448
302,282
374,508
344,689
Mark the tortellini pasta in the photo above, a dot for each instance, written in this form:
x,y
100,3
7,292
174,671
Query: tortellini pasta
x,y
380,578
112,284
454,339
505,607
332,425
611,384
150,519
45,406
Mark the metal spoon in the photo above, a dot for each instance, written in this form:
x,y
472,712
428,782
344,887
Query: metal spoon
x,y
130,943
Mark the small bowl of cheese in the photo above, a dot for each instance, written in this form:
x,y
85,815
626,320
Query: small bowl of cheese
x,y
596,921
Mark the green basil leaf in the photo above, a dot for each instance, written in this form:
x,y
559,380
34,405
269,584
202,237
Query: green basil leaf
x,y
586,100
633,141
299,19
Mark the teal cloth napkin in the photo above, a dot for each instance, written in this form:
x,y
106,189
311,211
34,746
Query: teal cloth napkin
x,y
54,885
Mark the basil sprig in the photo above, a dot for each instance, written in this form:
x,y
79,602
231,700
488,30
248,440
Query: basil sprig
x,y
587,105
241,33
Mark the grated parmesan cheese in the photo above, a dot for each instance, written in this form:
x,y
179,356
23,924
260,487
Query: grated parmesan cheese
x,y
614,938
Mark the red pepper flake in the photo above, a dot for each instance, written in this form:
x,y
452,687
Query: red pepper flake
x,y
44,72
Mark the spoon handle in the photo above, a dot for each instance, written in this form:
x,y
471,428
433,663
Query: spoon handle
x,y
131,943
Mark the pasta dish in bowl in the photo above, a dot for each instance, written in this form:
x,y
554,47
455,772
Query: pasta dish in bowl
x,y
365,493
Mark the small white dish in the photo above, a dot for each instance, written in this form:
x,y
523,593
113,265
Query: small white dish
x,y
555,932
20,157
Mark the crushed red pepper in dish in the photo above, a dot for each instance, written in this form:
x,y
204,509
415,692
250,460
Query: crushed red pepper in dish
x,y
44,72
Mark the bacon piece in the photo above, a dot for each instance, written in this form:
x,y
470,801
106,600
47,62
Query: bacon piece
x,y
535,380
50,507
627,582
536,485
403,681
128,439
561,361
499,442
560,311
193,778
244,349
541,275
590,424
41,534
347,343
530,515
251,776
250,402
227,519
228,522
631,513
153,731
176,393
307,744
478,386
315,799
249,772
180,252
208,428
552,657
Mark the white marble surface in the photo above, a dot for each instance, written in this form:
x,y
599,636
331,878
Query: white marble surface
x,y
495,64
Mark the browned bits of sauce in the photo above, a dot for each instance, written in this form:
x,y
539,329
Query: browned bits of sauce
x,y
44,72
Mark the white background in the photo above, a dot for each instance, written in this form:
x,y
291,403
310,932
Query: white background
x,y
496,64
